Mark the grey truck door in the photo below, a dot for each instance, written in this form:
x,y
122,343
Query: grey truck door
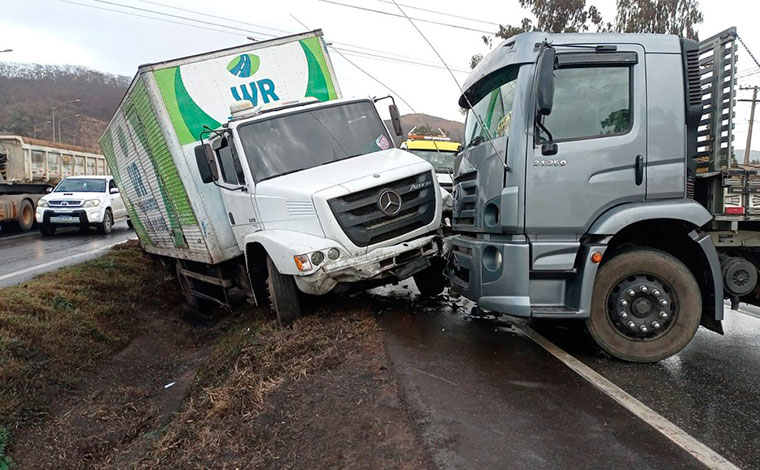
x,y
599,125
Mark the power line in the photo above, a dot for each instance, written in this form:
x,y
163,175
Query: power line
x,y
362,70
394,59
440,23
430,10
148,17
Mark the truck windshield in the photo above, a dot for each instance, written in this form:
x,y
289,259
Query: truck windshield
x,y
81,185
494,110
286,144
443,162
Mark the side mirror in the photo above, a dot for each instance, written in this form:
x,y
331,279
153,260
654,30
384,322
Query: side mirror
x,y
545,81
395,119
49,189
114,191
204,158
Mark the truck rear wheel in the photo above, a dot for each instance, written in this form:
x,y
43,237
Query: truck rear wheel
x,y
646,306
188,285
283,295
431,281
25,216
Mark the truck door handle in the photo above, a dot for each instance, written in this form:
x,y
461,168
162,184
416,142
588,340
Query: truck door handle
x,y
639,169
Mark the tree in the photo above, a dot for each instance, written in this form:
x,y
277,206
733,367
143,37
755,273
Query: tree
x,y
633,16
658,16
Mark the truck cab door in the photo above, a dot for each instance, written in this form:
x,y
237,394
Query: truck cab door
x,y
598,123
237,190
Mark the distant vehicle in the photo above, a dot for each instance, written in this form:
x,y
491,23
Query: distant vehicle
x,y
30,167
439,151
83,201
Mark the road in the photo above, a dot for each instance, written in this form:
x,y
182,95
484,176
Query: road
x,y
27,255
485,395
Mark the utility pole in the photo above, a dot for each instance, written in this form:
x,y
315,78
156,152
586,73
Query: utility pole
x,y
58,106
748,148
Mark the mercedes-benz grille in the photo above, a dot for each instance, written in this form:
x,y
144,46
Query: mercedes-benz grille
x,y
366,222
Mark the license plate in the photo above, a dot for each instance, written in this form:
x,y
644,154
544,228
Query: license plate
x,y
63,219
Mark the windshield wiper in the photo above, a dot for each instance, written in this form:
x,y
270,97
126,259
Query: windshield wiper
x,y
476,141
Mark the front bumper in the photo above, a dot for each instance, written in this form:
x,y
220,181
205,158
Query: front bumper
x,y
395,262
81,217
499,286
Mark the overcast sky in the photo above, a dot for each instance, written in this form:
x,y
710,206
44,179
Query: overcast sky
x,y
61,32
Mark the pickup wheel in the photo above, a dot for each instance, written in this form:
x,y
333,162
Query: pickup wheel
x,y
646,306
104,228
431,281
25,216
283,295
47,230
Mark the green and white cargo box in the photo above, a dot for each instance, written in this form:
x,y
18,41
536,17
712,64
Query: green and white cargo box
x,y
149,143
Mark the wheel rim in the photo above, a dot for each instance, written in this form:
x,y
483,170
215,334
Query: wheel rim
x,y
642,306
108,220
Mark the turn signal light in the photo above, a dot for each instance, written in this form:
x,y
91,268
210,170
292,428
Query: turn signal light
x,y
596,257
734,210
302,262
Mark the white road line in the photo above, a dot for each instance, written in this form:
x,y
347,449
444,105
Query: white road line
x,y
700,451
59,261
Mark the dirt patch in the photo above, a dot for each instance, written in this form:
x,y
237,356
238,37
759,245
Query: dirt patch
x,y
317,395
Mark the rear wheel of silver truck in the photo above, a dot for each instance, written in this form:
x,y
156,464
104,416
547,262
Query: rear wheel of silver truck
x,y
646,306
284,297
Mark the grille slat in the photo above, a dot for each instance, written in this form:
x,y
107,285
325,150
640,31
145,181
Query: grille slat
x,y
465,200
359,215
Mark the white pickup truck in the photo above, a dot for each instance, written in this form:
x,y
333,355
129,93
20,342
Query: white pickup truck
x,y
81,201
302,192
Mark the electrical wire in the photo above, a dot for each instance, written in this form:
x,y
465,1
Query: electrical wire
x,y
452,15
393,59
381,12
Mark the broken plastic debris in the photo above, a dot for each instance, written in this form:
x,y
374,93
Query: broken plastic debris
x,y
170,384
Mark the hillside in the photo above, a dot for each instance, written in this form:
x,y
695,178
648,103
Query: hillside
x,y
29,91
754,156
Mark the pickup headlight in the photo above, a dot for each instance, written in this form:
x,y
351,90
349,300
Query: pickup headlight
x,y
42,203
91,203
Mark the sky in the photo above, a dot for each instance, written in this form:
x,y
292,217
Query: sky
x,y
91,34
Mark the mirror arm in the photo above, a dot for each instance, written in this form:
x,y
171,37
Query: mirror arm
x,y
541,126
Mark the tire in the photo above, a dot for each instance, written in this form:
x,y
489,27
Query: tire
x,y
129,224
25,216
431,281
105,227
186,285
630,290
47,230
283,295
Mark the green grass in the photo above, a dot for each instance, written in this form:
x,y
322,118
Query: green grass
x,y
6,462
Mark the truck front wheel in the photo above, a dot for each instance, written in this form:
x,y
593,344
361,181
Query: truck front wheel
x,y
646,306
283,295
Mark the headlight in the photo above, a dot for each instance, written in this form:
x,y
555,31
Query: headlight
x,y
92,203
333,253
317,257
43,203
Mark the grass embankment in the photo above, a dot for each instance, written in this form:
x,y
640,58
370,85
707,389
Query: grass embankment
x,y
317,395
57,326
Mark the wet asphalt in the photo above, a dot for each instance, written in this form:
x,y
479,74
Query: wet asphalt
x,y
25,255
485,396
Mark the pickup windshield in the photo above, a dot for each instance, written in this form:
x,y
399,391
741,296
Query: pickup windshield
x,y
494,110
81,185
442,161
293,142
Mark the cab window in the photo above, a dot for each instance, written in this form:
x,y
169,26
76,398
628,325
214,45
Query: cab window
x,y
590,102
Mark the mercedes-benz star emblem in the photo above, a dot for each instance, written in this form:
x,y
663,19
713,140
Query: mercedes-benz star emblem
x,y
389,202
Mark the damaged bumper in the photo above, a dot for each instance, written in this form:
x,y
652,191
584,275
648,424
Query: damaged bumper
x,y
393,263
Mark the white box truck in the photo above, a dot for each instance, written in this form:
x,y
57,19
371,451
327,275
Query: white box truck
x,y
245,169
